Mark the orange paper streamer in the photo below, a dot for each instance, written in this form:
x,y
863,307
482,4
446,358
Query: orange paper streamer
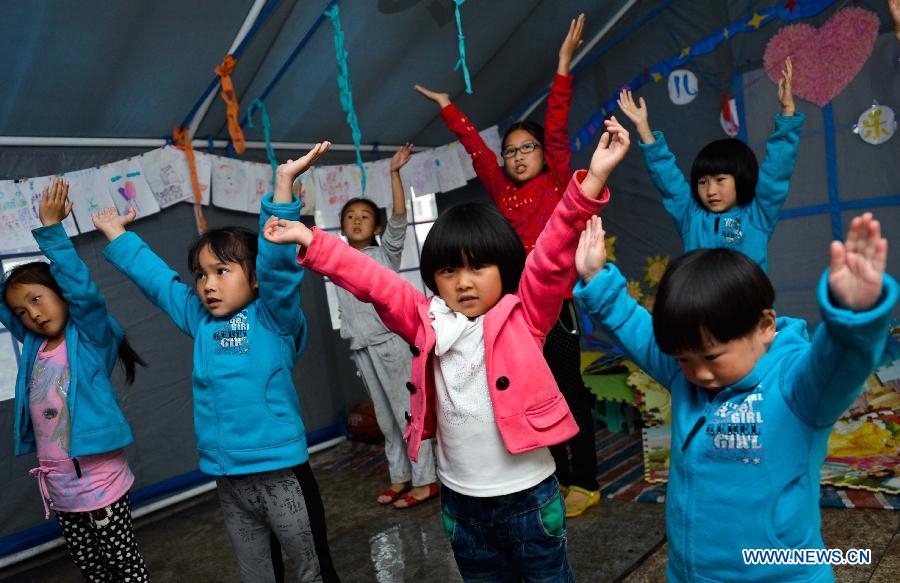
x,y
230,98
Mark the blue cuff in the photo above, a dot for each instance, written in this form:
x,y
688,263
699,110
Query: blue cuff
x,y
795,120
858,328
46,236
283,210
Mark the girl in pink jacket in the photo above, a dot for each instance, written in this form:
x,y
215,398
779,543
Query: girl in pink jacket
x,y
479,381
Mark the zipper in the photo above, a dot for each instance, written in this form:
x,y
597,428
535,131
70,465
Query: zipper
x,y
694,430
717,226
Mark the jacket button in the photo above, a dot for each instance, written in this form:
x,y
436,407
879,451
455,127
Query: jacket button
x,y
414,350
411,388
502,383
408,416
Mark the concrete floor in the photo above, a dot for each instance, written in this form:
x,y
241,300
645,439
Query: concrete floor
x,y
621,541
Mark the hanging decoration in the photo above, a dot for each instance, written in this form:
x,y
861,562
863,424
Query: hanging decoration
x,y
182,140
462,48
876,125
231,103
786,11
683,86
728,117
826,59
267,132
343,79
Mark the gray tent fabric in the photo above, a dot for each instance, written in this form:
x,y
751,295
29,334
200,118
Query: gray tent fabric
x,y
134,69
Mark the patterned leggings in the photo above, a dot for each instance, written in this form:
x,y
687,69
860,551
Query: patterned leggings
x,y
101,542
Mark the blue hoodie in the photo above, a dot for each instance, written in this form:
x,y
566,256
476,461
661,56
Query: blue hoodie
x,y
246,410
743,228
92,342
745,461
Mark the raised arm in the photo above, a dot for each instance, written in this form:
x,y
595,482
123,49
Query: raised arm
x,y
603,293
484,160
781,155
549,269
394,235
668,179
160,283
394,298
557,150
856,298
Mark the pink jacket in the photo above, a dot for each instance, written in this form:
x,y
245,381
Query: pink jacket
x,y
528,407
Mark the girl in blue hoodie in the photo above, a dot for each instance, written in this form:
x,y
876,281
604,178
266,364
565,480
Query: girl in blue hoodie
x,y
753,399
731,200
244,315
65,407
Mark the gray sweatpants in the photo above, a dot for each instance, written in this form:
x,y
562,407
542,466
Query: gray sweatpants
x,y
270,510
385,369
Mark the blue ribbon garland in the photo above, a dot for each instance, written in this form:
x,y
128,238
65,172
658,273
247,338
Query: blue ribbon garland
x,y
343,79
267,132
462,49
704,46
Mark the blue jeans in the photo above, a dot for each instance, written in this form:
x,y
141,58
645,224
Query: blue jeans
x,y
516,537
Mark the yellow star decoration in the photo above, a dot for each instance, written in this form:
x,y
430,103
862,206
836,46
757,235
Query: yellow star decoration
x,y
655,268
610,244
685,52
725,32
657,77
756,20
634,290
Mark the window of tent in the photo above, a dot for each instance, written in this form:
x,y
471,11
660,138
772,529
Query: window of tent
x,y
10,349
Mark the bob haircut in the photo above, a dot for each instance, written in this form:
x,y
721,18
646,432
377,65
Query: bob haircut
x,y
378,213
38,272
729,156
709,294
229,245
473,233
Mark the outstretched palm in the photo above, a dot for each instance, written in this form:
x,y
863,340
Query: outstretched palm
x,y
857,266
294,168
590,257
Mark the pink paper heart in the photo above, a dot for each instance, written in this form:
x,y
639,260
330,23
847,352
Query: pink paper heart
x,y
827,59
129,192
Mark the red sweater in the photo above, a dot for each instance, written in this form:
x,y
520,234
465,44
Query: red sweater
x,y
526,206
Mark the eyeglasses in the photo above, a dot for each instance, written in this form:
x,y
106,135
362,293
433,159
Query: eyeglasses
x,y
526,148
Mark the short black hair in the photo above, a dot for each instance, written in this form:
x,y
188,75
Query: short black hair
x,y
473,233
377,211
718,293
229,245
533,128
728,156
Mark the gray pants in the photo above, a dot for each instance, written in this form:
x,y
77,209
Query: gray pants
x,y
385,369
270,510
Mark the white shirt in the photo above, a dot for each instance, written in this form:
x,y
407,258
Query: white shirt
x,y
471,456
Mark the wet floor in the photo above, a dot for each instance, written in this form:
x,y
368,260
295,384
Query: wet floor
x,y
370,543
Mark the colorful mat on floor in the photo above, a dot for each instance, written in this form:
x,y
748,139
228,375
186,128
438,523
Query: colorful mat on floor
x,y
620,471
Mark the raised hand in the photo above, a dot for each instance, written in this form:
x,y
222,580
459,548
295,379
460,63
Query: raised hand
x,y
55,204
401,157
637,113
610,151
286,173
857,266
109,222
590,257
894,9
442,99
785,93
570,44
284,232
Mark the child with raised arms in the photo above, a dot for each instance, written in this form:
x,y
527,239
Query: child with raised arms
x,y
65,406
244,315
479,381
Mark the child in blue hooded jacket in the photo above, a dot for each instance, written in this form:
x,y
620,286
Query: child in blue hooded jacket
x,y
65,407
731,200
248,328
753,399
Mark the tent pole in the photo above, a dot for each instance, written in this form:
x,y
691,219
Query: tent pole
x,y
60,142
587,48
245,28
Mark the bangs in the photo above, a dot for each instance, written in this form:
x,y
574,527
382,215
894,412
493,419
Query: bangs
x,y
709,294
473,234
729,156
229,245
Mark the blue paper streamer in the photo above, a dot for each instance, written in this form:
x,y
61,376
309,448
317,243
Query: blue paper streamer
x,y
267,132
343,79
462,49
